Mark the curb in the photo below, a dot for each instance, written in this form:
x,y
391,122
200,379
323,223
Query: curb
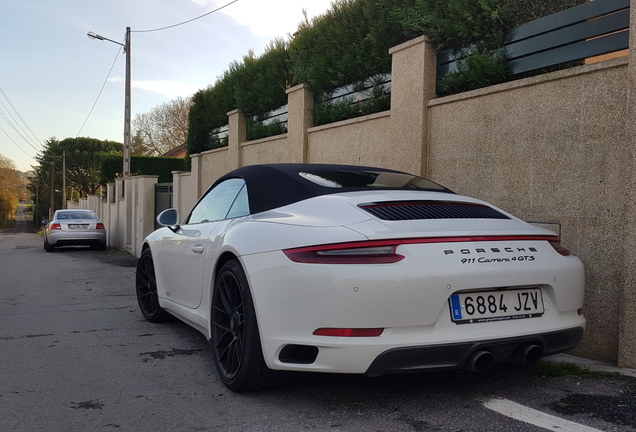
x,y
594,365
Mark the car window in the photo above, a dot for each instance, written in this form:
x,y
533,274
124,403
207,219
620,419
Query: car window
x,y
75,215
227,197
240,206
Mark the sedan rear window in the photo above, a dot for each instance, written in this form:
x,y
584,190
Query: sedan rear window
x,y
76,215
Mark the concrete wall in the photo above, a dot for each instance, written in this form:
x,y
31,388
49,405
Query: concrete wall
x,y
550,149
557,149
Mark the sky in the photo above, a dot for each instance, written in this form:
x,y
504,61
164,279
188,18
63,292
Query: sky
x,y
51,72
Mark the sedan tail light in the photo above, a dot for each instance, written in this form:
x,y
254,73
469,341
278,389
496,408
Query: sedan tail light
x,y
372,252
56,226
100,226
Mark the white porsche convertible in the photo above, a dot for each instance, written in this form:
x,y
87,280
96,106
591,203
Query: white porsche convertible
x,y
347,269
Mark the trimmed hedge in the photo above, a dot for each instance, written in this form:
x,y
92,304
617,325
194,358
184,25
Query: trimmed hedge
x,y
141,165
350,43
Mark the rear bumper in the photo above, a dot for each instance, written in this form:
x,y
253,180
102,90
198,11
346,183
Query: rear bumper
x,y
455,356
80,238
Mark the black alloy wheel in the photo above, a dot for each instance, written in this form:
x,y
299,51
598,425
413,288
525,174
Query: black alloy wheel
x,y
146,285
235,336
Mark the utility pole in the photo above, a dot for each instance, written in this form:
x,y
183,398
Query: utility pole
x,y
126,45
64,179
127,108
52,207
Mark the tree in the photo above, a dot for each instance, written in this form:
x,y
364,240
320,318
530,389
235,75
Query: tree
x,y
163,128
12,188
82,158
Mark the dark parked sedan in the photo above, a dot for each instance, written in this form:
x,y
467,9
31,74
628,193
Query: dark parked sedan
x,y
74,227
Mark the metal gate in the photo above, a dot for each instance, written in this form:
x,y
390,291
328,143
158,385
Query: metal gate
x,y
163,199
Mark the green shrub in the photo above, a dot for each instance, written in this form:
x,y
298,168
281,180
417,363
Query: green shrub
x,y
257,129
477,70
255,86
350,43
141,165
346,108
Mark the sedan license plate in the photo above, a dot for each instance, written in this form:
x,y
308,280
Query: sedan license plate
x,y
78,226
488,306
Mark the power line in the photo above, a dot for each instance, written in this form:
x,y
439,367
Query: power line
x,y
184,22
14,124
16,144
100,92
15,129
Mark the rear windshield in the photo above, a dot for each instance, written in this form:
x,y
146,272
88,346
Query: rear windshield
x,y
370,179
76,215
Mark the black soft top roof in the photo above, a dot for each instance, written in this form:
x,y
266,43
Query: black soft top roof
x,y
272,186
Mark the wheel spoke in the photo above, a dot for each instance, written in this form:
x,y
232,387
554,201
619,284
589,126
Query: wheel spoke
x,y
225,293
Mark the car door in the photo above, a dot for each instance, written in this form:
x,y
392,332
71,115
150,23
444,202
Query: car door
x,y
184,253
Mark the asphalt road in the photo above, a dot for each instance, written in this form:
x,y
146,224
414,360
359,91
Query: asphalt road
x,y
76,355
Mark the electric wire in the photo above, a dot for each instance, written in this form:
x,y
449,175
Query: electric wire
x,y
37,140
119,52
11,121
13,126
16,144
100,92
184,22
117,56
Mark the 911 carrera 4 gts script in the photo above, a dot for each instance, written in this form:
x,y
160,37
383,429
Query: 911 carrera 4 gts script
x,y
497,260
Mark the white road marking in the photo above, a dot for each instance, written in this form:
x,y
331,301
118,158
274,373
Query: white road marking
x,y
534,417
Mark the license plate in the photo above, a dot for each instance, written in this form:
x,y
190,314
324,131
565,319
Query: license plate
x,y
488,306
76,226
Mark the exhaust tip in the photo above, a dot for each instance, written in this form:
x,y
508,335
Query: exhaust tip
x,y
527,355
480,361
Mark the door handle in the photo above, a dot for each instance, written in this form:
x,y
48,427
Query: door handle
x,y
198,249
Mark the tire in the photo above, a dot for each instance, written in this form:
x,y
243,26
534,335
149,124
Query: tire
x,y
235,336
146,287
47,246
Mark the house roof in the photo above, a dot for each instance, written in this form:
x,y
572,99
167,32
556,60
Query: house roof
x,y
178,151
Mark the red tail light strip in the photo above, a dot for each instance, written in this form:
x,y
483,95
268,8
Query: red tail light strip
x,y
349,332
384,251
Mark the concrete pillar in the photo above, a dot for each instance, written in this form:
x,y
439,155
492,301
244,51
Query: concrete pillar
x,y
119,216
300,108
178,191
144,210
627,326
127,203
237,136
414,65
195,170
110,215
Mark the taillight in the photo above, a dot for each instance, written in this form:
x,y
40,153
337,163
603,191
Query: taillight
x,y
100,226
556,244
349,332
372,252
56,226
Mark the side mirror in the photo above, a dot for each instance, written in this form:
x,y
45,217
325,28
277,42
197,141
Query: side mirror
x,y
45,221
169,218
